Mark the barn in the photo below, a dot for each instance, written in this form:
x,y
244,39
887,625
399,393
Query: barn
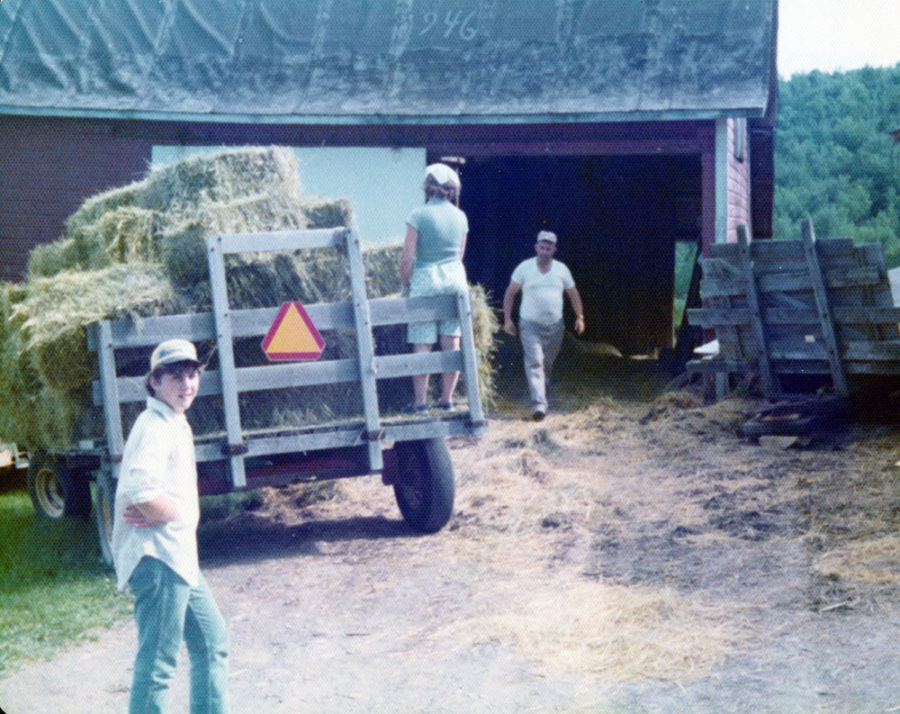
x,y
628,127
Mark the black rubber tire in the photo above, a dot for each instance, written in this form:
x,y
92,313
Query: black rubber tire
x,y
424,485
104,513
55,491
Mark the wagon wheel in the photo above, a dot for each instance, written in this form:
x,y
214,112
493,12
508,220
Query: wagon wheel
x,y
104,511
55,490
424,484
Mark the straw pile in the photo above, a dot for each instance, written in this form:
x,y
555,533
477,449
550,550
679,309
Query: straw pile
x,y
138,251
563,624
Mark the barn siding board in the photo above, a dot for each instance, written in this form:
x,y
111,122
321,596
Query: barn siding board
x,y
738,184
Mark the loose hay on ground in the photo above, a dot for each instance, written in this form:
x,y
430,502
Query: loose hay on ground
x,y
872,561
618,633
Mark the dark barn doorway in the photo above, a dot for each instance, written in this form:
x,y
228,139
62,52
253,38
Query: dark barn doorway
x,y
618,219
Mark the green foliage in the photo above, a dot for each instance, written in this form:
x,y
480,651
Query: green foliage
x,y
834,157
54,589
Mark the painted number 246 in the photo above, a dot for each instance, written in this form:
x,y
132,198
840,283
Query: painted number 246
x,y
454,21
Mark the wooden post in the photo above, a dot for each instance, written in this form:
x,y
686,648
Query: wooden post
x,y
112,409
227,371
769,379
838,377
365,348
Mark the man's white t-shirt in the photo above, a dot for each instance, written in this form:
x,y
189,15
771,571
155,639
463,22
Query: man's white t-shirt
x,y
542,293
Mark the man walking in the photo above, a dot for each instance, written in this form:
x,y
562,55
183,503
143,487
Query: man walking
x,y
542,281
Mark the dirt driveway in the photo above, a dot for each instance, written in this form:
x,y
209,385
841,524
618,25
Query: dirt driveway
x,y
618,557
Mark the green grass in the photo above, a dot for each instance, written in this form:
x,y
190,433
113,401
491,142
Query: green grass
x,y
54,589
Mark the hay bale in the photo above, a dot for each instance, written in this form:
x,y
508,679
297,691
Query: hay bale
x,y
188,187
47,368
52,316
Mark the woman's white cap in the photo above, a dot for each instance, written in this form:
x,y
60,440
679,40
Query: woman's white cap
x,y
443,174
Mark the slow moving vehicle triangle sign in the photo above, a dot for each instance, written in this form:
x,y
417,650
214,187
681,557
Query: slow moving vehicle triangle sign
x,y
292,336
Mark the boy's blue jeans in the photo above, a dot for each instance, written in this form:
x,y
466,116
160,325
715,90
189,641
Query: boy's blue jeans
x,y
167,610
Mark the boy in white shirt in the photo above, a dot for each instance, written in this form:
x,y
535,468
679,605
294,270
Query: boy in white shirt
x,y
154,543
542,281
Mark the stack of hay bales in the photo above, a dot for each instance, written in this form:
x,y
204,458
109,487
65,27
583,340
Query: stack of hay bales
x,y
138,251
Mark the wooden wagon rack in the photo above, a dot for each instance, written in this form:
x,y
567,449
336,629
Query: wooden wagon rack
x,y
803,307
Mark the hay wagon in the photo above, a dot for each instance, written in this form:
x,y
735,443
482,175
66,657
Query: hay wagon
x,y
264,422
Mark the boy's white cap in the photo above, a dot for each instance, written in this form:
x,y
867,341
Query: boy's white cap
x,y
443,174
172,351
548,236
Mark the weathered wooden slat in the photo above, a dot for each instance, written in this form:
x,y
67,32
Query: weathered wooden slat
x,y
768,377
780,250
881,294
818,282
872,351
708,366
716,267
727,251
859,277
714,317
785,250
886,317
806,367
888,368
798,350
717,317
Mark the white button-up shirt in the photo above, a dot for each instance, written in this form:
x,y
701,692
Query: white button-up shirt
x,y
159,459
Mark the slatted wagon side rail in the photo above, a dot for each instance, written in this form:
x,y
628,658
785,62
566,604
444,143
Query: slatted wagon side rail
x,y
372,430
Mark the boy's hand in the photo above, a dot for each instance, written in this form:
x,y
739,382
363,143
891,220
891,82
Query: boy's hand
x,y
134,517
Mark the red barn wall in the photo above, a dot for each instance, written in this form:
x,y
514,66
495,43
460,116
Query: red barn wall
x,y
739,209
46,172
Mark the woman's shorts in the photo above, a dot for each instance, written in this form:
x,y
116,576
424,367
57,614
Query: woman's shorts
x,y
441,279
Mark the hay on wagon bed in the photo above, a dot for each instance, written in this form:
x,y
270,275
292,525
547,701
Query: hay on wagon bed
x,y
139,250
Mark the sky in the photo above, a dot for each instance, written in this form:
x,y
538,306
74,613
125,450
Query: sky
x,y
837,35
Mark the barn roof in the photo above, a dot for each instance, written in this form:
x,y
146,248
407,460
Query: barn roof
x,y
383,61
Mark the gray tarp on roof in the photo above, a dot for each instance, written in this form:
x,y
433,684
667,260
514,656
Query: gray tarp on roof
x,y
380,60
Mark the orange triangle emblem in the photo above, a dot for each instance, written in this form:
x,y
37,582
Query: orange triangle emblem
x,y
292,336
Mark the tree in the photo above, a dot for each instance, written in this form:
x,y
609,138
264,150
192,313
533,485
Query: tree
x,y
834,158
